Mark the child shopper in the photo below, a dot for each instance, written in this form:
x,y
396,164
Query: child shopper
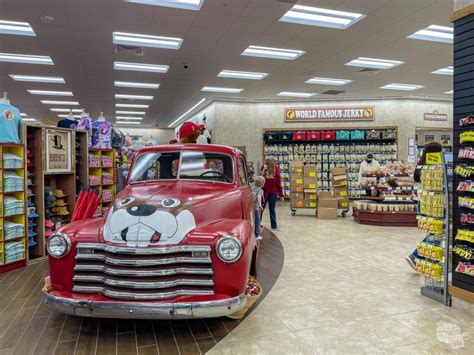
x,y
257,194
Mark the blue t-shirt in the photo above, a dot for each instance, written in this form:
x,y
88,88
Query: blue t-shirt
x,y
10,120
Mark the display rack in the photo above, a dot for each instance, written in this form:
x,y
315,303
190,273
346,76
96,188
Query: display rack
x,y
328,150
13,221
102,177
433,251
304,186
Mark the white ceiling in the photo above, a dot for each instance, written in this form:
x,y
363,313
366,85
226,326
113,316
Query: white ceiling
x,y
79,40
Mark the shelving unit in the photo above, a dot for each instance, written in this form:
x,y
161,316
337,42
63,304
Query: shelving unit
x,y
98,173
18,241
328,154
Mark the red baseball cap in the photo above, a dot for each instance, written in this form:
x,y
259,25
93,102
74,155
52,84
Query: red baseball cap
x,y
187,129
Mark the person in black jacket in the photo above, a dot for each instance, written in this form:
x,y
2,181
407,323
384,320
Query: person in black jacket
x,y
433,147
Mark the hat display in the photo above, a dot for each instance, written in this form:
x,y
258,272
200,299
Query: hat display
x,y
48,223
61,211
59,193
187,128
60,202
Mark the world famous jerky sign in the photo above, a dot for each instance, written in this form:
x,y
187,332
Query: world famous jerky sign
x,y
321,114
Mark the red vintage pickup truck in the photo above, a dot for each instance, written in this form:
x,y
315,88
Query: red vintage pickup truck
x,y
177,243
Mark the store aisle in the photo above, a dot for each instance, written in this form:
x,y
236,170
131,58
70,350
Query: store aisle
x,y
345,288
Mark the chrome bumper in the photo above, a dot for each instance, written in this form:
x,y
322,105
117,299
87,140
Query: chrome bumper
x,y
141,310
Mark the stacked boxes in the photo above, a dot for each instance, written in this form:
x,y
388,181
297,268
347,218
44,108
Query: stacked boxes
x,y
297,184
339,185
310,180
327,205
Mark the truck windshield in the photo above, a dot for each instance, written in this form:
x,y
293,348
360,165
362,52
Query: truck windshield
x,y
187,165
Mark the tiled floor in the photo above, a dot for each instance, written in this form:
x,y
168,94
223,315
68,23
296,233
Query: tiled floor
x,y
344,289
347,289
28,327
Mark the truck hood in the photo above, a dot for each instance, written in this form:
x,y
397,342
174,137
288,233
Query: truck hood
x,y
164,213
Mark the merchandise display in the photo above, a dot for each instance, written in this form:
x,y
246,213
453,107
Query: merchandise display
x,y
432,259
326,151
13,221
10,121
102,176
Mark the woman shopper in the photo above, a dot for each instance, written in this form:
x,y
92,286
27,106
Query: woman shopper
x,y
272,188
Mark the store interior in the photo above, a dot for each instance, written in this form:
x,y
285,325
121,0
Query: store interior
x,y
348,127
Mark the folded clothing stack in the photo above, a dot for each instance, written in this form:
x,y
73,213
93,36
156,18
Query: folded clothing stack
x,y
12,161
107,161
106,195
94,161
12,206
13,230
12,182
107,179
14,251
94,180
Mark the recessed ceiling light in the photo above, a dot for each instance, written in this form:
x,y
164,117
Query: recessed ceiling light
x,y
171,125
218,89
67,116
26,59
54,102
132,105
128,118
130,112
135,39
50,92
28,119
38,79
402,87
374,63
314,16
434,33
450,92
179,4
16,28
74,110
153,68
127,122
328,81
296,94
242,75
23,114
444,71
129,84
273,53
133,97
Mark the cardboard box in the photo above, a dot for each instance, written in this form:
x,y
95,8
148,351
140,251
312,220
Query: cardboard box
x,y
340,192
310,196
310,204
310,171
327,213
325,194
310,184
297,183
343,203
341,170
296,167
328,202
297,200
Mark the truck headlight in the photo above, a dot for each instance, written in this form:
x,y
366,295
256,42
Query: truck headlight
x,y
58,245
229,249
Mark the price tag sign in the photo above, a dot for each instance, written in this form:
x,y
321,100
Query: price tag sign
x,y
433,158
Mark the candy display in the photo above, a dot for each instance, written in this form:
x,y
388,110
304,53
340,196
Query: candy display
x,y
466,137
466,202
429,269
432,204
430,225
467,186
466,218
465,268
383,207
464,171
466,121
464,251
432,178
466,153
465,235
430,251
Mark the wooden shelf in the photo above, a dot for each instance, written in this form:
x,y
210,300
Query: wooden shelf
x,y
462,294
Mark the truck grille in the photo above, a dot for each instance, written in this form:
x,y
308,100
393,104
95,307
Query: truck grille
x,y
143,274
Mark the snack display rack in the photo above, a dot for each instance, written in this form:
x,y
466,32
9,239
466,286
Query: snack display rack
x,y
433,252
304,187
13,220
327,148
102,176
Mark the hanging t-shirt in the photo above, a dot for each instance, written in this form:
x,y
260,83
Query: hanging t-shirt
x,y
102,134
10,120
67,123
85,124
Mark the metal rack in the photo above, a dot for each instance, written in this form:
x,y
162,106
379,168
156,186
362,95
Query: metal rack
x,y
433,288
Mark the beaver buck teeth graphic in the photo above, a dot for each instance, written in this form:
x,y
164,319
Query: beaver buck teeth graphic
x,y
153,222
